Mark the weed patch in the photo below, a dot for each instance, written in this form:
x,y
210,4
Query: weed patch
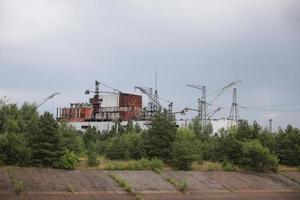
x,y
143,164
227,166
180,185
124,184
18,184
71,189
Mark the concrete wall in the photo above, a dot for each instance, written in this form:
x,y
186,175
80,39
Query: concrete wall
x,y
107,125
111,100
103,125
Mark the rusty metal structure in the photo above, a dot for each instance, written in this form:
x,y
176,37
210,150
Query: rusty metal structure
x,y
104,106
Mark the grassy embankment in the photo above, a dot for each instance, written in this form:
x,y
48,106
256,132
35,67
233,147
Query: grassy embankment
x,y
155,164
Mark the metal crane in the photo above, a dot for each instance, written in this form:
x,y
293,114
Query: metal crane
x,y
210,115
190,109
213,113
153,104
96,100
202,104
46,99
222,90
97,91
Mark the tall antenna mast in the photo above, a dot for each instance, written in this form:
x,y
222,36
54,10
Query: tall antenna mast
x,y
156,79
204,105
270,126
234,116
155,97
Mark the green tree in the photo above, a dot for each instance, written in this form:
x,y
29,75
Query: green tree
x,y
185,149
13,149
9,115
116,148
134,145
92,155
228,148
90,138
71,139
69,160
203,132
258,158
267,139
247,132
46,143
158,139
126,146
27,113
287,146
130,127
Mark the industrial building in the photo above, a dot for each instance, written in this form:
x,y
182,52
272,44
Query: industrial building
x,y
113,107
103,107
107,107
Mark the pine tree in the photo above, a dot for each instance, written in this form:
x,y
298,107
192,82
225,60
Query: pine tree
x,y
46,143
160,136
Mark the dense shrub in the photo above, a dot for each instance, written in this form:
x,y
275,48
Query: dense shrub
x,y
228,148
227,166
267,139
69,160
92,155
134,145
117,149
92,159
186,149
245,131
184,152
287,146
46,144
157,141
90,139
126,146
203,132
258,158
71,139
142,164
13,149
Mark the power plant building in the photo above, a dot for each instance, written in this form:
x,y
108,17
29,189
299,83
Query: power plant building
x,y
113,107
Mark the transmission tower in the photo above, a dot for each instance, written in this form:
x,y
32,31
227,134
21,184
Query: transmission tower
x,y
202,104
234,116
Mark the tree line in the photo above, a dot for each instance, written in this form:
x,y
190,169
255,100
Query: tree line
x,y
30,139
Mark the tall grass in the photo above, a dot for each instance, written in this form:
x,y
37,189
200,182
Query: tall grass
x,y
18,184
125,185
143,164
180,185
122,183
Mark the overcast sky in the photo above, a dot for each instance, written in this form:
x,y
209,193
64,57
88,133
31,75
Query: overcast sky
x,y
65,45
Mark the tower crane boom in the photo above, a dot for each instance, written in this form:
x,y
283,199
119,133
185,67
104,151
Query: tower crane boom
x,y
149,92
46,99
222,90
214,112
